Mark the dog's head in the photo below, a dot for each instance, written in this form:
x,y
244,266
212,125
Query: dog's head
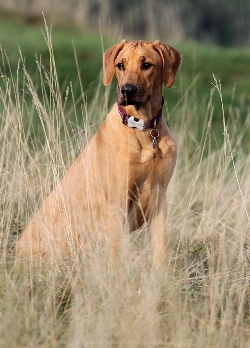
x,y
141,67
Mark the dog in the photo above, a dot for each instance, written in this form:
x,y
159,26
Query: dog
x,y
119,180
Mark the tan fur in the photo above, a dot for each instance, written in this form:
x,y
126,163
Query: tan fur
x,y
119,181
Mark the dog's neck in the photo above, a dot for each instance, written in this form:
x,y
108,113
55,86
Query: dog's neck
x,y
144,112
141,123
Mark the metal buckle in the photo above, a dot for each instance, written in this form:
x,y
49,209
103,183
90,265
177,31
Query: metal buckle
x,y
154,134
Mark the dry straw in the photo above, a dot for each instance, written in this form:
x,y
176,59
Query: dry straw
x,y
201,298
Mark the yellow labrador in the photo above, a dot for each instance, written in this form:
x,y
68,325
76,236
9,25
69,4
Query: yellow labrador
x,y
120,179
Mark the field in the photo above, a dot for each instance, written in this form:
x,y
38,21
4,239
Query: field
x,y
201,299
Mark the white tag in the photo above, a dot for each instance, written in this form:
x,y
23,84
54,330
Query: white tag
x,y
136,123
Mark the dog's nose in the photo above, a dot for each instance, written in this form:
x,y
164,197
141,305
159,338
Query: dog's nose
x,y
128,90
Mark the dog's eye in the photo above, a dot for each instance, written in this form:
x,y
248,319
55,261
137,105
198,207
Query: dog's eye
x,y
120,66
146,66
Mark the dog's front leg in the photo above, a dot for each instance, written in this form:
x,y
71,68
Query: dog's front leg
x,y
114,233
158,234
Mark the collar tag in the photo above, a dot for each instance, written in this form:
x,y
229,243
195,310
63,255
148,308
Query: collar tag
x,y
134,122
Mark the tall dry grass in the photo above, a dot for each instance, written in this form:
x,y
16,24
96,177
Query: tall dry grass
x,y
201,298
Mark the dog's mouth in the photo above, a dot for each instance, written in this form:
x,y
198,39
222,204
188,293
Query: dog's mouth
x,y
129,94
128,101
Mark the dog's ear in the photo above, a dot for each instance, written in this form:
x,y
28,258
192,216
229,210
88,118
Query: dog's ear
x,y
171,62
109,57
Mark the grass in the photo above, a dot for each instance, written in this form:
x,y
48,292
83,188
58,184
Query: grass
x,y
31,39
201,298
200,61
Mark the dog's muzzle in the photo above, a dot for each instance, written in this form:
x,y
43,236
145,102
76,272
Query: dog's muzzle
x,y
129,95
129,91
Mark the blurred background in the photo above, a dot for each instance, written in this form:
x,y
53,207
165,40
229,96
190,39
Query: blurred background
x,y
212,35
223,22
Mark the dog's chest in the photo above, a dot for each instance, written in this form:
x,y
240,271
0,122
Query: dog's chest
x,y
150,155
147,172
153,160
